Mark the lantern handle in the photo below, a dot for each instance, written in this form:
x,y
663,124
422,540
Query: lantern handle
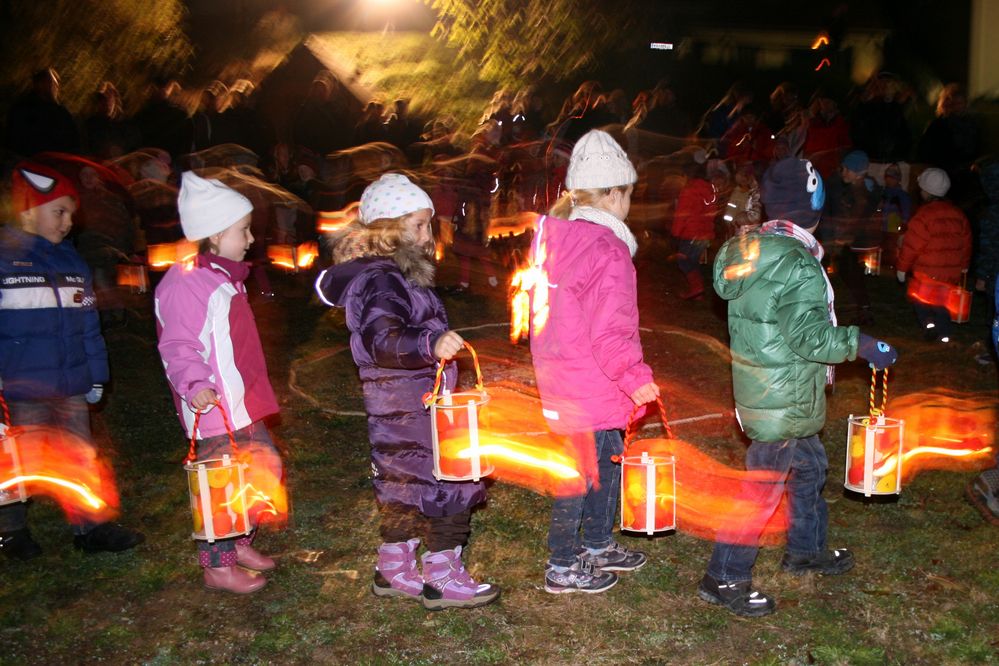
x,y
192,452
876,411
629,431
5,410
431,398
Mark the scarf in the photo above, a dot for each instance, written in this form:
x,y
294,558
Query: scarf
x,y
786,228
605,219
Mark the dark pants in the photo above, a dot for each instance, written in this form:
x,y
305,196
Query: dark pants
x,y
401,522
254,439
689,254
851,269
937,315
70,415
595,510
802,464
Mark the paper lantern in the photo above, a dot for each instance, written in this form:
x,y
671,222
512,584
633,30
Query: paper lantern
x,y
874,455
648,493
217,488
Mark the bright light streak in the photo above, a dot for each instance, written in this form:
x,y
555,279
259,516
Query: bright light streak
x,y
494,451
821,40
80,489
661,46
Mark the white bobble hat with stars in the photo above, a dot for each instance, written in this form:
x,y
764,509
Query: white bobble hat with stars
x,y
393,195
598,162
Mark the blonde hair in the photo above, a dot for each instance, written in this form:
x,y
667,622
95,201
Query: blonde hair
x,y
572,198
381,238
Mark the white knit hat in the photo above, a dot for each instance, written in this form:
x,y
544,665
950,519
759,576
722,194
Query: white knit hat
x,y
598,162
208,206
393,195
934,181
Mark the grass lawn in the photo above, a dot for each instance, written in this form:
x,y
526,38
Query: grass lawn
x,y
925,589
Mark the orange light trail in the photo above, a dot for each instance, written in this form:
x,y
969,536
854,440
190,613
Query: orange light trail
x,y
821,40
80,489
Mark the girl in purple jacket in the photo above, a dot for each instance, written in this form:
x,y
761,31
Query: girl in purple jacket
x,y
383,277
212,355
588,356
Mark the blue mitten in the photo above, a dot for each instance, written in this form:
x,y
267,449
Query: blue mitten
x,y
878,353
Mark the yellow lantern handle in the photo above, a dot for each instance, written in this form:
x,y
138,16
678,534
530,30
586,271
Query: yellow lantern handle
x,y
629,431
431,398
192,452
876,411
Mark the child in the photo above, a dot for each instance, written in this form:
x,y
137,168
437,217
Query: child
x,y
383,276
936,245
212,355
784,338
742,212
694,228
588,357
53,362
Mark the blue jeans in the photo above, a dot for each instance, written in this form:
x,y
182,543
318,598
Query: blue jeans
x,y
69,414
596,509
802,464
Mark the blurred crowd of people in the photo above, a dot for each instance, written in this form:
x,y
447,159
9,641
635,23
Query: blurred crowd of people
x,y
701,174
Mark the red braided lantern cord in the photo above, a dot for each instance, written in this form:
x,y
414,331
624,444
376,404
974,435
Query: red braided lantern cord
x,y
192,452
878,411
6,411
431,398
629,431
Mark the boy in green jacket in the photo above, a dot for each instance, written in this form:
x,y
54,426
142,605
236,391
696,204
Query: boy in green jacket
x,y
784,341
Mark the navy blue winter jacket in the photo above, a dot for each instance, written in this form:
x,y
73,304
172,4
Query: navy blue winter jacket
x,y
50,334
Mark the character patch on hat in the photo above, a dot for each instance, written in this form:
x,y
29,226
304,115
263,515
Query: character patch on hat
x,y
42,183
815,187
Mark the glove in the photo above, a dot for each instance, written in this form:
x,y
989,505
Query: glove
x,y
901,276
876,352
95,393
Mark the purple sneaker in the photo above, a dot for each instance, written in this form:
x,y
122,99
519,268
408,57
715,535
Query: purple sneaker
x,y
396,574
446,584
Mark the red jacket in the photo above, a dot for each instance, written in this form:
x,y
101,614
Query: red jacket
x,y
587,354
694,218
825,142
937,242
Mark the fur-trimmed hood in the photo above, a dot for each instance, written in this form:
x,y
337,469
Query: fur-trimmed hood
x,y
354,242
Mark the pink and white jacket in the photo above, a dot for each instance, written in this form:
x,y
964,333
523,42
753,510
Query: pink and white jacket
x,y
208,339
587,354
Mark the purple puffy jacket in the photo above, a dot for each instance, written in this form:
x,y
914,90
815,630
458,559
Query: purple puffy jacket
x,y
393,325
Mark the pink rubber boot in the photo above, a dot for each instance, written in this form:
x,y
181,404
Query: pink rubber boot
x,y
247,556
396,574
446,584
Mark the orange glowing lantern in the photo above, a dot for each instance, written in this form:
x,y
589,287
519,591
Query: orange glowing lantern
x,y
648,486
164,255
648,493
293,257
956,298
217,488
10,463
874,455
874,448
133,276
872,261
455,420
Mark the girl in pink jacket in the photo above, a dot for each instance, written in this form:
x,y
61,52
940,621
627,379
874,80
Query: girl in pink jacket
x,y
212,356
588,356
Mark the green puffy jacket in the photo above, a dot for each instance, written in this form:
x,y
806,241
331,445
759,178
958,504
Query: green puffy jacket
x,y
781,336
